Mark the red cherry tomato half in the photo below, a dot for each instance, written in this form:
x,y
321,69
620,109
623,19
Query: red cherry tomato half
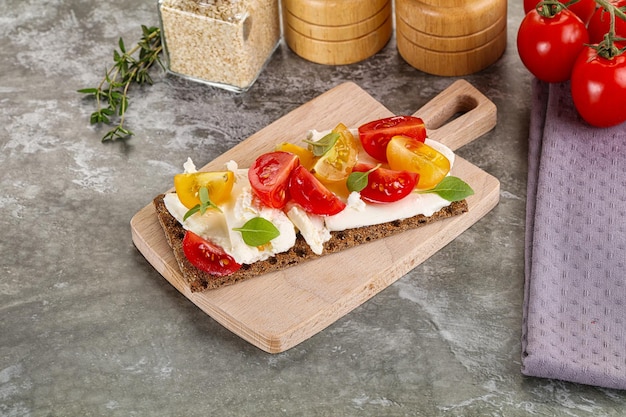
x,y
375,135
583,8
600,23
312,195
269,177
599,88
386,185
548,47
208,257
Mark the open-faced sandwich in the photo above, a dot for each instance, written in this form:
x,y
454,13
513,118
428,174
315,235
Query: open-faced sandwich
x,y
335,190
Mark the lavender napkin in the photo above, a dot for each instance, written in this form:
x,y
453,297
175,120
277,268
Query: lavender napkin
x,y
574,326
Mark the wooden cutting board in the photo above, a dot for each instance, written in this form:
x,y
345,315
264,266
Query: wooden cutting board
x,y
277,311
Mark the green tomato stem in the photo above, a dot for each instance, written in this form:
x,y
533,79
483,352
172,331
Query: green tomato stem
x,y
607,48
549,8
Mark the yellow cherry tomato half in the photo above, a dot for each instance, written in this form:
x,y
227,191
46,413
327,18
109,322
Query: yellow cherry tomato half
x,y
337,163
305,155
219,184
408,154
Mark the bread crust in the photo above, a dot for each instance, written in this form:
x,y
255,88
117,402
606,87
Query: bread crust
x,y
200,281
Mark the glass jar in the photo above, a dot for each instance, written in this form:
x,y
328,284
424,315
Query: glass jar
x,y
223,43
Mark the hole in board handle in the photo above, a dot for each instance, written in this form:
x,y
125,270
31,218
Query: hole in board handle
x,y
462,105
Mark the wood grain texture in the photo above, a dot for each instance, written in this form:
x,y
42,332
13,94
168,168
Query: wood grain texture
x,y
451,43
451,18
334,12
446,63
348,32
339,52
451,37
279,310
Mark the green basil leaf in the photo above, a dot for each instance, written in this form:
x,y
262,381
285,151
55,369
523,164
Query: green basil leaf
x,y
357,181
323,145
258,231
451,189
203,193
205,204
191,211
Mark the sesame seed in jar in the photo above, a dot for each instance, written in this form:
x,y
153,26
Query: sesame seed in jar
x,y
225,43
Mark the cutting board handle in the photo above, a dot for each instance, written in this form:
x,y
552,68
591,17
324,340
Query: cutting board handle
x,y
458,115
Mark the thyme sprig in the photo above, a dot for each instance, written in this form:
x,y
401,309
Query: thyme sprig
x,y
111,94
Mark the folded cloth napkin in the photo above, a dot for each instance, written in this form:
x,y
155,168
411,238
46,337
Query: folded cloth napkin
x,y
574,326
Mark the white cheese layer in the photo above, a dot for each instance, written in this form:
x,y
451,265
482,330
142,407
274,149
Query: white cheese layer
x,y
354,216
311,228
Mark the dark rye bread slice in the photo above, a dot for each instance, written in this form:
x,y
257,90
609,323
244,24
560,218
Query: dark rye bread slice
x,y
300,252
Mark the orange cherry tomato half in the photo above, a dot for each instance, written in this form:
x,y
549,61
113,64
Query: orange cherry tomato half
x,y
208,257
306,156
269,177
375,136
219,184
386,185
312,195
408,154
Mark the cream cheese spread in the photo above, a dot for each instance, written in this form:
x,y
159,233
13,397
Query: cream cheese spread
x,y
217,227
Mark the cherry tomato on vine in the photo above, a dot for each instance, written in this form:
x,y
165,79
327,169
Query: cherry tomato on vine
x,y
601,21
408,154
312,195
376,135
599,88
549,46
208,257
583,8
386,185
269,177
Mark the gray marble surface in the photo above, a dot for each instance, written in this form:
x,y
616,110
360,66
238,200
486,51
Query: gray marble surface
x,y
89,328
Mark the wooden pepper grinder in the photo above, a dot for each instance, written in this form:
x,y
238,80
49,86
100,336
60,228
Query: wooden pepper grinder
x,y
336,32
451,37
